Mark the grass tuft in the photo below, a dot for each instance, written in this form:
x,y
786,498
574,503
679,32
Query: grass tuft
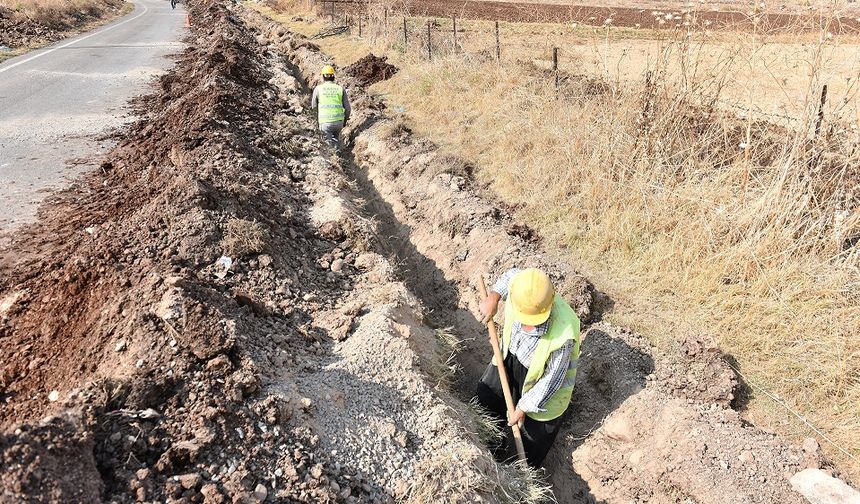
x,y
443,372
243,237
489,430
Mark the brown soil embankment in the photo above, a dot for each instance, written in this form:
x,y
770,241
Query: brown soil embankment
x,y
205,318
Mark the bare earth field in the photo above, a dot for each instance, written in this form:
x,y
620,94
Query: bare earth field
x,y
668,17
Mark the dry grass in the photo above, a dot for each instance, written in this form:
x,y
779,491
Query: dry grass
x,y
489,431
692,216
59,14
444,370
242,237
62,18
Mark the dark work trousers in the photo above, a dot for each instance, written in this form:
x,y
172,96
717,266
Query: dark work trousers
x,y
537,436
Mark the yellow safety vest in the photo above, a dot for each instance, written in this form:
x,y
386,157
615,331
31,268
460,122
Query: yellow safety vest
x,y
563,327
330,103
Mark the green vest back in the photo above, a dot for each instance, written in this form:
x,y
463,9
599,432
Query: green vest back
x,y
330,102
563,327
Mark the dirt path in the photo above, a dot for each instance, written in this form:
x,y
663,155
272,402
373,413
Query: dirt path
x,y
241,317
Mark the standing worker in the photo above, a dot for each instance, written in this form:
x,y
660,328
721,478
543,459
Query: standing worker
x,y
540,348
333,108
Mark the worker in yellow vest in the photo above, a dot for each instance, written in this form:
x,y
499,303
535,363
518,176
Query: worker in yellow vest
x,y
332,106
540,348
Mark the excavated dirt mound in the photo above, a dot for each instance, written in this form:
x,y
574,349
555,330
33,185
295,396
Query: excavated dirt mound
x,y
18,30
214,322
370,70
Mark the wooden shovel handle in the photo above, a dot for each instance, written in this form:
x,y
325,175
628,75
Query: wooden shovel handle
x,y
503,375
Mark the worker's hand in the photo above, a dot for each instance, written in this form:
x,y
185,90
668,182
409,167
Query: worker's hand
x,y
489,306
516,418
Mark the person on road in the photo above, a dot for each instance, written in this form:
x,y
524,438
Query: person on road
x,y
173,4
540,348
332,106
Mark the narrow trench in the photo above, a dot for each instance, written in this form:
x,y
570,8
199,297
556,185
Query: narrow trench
x,y
419,273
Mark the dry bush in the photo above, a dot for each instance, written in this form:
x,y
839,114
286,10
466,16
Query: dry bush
x,y
243,237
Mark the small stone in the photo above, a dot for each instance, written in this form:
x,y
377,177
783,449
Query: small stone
x,y
401,439
820,488
211,494
143,474
337,265
306,403
219,364
53,396
746,457
120,346
261,492
618,428
810,445
190,481
265,260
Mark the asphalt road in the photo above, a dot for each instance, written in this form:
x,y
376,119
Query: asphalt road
x,y
57,101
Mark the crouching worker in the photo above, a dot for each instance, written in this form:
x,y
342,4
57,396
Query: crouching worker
x,y
540,347
332,108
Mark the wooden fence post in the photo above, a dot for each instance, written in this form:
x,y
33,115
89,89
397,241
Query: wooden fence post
x,y
498,46
405,35
429,44
821,110
454,19
359,25
385,18
555,65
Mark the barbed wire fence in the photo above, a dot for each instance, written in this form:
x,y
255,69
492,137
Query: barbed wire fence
x,y
428,37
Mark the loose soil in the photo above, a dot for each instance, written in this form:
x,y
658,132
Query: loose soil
x,y
225,312
370,70
18,30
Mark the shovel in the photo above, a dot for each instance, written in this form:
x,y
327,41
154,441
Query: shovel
x,y
503,377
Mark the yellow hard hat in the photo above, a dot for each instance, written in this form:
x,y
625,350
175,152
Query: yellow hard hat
x,y
328,70
531,295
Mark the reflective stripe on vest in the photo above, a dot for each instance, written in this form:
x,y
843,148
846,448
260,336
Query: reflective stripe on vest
x,y
330,102
563,327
